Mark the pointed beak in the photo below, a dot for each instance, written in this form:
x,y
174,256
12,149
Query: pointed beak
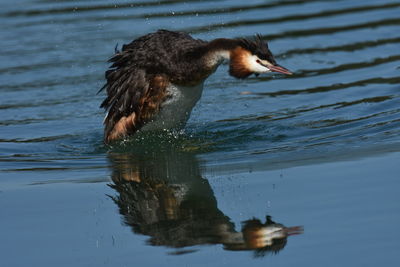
x,y
280,69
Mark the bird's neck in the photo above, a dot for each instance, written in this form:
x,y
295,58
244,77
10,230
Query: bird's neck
x,y
201,62
219,50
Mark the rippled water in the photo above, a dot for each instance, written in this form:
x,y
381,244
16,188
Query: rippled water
x,y
331,129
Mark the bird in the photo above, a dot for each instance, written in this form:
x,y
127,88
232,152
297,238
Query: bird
x,y
153,83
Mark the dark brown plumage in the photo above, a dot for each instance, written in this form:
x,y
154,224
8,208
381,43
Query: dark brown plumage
x,y
139,78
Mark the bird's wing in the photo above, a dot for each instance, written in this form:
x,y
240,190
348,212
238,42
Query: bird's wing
x,y
133,98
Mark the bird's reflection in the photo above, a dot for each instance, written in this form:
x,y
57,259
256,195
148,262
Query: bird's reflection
x,y
163,195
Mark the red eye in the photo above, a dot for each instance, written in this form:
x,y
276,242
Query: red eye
x,y
259,62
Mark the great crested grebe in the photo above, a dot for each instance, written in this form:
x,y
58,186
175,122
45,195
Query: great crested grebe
x,y
155,81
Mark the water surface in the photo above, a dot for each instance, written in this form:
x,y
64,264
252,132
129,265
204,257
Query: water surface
x,y
316,151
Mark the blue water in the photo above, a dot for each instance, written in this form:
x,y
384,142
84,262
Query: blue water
x,y
318,150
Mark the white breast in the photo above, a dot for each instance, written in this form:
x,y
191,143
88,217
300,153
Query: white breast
x,y
175,112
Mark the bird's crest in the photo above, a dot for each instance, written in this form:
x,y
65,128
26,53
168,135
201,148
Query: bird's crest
x,y
258,47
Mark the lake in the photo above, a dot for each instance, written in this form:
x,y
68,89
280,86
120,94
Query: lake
x,y
299,170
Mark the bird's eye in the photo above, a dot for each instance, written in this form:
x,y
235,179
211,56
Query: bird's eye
x,y
259,62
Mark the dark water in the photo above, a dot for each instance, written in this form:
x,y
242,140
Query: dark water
x,y
317,151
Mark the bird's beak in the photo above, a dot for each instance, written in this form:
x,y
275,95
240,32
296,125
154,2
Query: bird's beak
x,y
280,69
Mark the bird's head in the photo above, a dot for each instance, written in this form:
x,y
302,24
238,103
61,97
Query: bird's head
x,y
253,57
